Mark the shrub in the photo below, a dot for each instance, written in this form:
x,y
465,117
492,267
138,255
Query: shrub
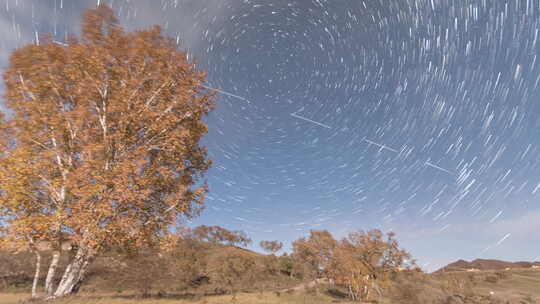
x,y
407,293
457,285
491,279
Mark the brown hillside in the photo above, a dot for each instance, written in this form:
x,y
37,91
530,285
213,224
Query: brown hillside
x,y
485,264
201,264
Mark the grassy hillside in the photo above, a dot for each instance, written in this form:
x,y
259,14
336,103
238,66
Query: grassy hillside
x,y
201,269
518,285
486,264
512,286
244,298
210,273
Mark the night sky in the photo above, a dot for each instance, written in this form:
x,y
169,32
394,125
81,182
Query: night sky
x,y
421,117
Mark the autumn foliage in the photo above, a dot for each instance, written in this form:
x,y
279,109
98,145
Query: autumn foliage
x,y
102,144
366,262
363,266
314,254
363,262
271,246
219,235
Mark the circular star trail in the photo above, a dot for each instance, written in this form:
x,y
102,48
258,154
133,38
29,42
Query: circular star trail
x,y
448,86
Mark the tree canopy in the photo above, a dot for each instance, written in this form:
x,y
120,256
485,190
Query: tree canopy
x,y
220,235
103,141
271,246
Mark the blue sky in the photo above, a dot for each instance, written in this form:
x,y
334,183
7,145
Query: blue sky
x,y
415,116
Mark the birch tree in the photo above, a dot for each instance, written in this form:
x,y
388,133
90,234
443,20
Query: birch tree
x,y
102,144
365,262
314,253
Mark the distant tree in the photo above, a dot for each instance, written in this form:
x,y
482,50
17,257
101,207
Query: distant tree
x,y
364,262
313,255
271,246
222,236
102,144
232,271
271,263
287,264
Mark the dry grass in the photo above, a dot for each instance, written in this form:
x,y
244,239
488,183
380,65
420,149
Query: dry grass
x,y
514,286
519,284
12,298
243,298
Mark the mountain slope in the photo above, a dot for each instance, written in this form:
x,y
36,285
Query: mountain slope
x,y
485,264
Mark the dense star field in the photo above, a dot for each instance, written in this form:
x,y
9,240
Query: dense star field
x,y
416,116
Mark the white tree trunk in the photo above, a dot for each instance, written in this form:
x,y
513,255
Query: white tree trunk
x,y
36,274
74,274
49,281
351,293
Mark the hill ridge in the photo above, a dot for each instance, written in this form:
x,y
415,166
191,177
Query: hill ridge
x,y
485,264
